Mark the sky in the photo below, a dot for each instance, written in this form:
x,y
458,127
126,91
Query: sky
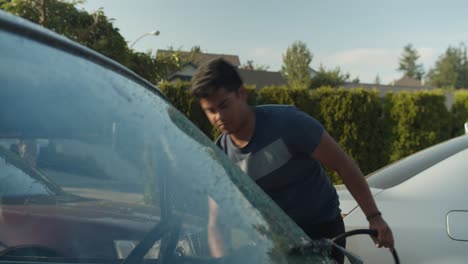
x,y
364,38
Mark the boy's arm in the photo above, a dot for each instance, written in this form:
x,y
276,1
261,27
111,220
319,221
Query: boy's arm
x,y
215,241
330,154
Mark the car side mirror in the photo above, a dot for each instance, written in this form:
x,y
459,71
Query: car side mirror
x,y
466,128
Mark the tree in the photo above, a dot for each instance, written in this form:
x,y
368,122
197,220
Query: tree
x,y
192,55
377,80
451,69
356,80
144,64
92,30
295,68
196,49
182,57
333,78
408,63
95,31
251,66
43,14
172,60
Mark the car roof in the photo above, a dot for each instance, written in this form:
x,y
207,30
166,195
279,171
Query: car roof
x,y
404,169
30,30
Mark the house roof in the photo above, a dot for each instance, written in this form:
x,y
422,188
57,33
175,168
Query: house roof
x,y
408,82
183,73
261,78
312,71
200,58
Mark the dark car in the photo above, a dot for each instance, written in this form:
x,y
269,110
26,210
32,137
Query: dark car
x,y
97,166
39,218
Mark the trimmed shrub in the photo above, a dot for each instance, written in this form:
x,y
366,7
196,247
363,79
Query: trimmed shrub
x,y
415,121
251,94
353,117
372,130
459,112
179,95
303,99
274,95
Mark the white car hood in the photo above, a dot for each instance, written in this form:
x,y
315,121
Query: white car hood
x,y
347,202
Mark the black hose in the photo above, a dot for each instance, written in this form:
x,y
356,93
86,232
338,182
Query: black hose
x,y
370,232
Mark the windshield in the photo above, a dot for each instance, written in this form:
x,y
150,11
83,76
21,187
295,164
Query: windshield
x,y
91,162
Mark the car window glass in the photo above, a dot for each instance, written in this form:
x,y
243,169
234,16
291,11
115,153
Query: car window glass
x,y
122,161
16,182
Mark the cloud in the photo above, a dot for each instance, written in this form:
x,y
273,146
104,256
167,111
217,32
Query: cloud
x,y
265,52
363,63
428,56
361,56
265,56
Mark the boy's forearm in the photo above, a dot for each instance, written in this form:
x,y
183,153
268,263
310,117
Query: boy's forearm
x,y
215,241
355,182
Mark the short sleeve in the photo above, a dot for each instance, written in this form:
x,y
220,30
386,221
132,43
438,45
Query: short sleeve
x,y
221,142
305,132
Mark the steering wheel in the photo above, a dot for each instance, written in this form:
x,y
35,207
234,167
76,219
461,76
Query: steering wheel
x,y
167,231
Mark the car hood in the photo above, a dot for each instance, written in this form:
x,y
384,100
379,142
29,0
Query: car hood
x,y
347,201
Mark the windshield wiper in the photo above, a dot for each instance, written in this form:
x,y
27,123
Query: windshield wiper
x,y
167,231
318,246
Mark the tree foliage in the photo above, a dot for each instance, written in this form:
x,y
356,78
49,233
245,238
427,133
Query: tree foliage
x,y
331,78
251,66
274,95
408,63
354,118
415,121
373,130
451,69
377,80
295,68
151,68
174,59
95,30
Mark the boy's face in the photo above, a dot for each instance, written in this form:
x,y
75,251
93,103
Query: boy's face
x,y
226,110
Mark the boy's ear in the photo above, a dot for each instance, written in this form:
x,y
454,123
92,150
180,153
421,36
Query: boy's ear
x,y
243,92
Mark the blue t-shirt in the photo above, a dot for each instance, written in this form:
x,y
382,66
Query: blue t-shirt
x,y
278,158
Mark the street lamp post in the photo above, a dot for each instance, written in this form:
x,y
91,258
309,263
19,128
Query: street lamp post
x,y
154,33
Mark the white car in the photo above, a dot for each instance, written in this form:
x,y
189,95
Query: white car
x,y
424,200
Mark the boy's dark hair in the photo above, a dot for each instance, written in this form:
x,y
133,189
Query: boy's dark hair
x,y
212,76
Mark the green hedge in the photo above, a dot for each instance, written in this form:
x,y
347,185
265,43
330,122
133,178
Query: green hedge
x,y
459,112
179,94
415,121
372,130
274,95
354,119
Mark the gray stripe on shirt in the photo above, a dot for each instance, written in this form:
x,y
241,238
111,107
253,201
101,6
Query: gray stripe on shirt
x,y
266,160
